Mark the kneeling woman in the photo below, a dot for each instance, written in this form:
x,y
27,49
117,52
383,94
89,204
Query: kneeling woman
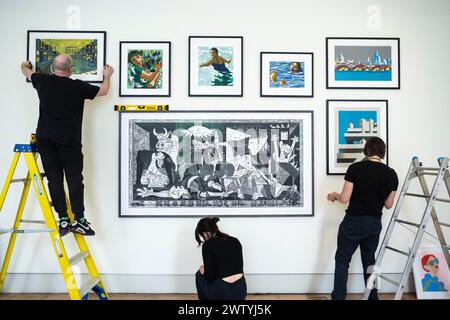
x,y
221,277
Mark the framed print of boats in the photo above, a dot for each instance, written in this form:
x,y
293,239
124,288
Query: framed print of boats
x,y
363,63
215,66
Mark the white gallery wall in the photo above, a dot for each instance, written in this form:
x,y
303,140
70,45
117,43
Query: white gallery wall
x,y
281,254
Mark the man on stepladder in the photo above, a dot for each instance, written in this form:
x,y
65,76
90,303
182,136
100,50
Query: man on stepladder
x,y
59,135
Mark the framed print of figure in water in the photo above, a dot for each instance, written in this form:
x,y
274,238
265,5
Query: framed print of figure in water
x,y
193,163
215,66
350,123
286,74
144,69
363,63
87,49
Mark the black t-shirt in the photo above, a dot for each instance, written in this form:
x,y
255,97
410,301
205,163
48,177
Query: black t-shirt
x,y
222,257
372,184
61,106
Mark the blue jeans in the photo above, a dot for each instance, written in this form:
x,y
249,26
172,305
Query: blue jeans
x,y
354,231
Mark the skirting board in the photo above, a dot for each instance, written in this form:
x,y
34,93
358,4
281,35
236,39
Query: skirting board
x,y
256,283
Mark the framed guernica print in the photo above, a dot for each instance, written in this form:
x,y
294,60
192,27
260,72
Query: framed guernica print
x,y
350,123
286,74
144,69
87,49
363,63
215,66
193,163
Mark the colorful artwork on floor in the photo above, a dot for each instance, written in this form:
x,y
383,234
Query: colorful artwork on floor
x,y
431,274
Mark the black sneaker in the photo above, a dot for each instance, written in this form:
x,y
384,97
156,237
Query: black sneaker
x,y
81,226
64,226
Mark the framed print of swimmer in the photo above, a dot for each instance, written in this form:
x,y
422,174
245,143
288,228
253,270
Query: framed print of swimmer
x,y
215,66
226,163
363,63
431,274
144,69
286,74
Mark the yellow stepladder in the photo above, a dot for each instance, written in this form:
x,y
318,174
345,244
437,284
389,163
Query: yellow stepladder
x,y
76,292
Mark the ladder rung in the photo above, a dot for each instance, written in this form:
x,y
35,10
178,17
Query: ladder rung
x,y
429,174
85,288
78,258
33,221
389,280
430,168
444,224
426,197
398,251
25,230
18,180
417,195
409,223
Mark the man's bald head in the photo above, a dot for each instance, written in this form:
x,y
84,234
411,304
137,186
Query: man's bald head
x,y
62,62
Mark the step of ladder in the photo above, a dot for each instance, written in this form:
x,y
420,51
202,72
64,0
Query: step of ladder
x,y
20,231
408,223
397,250
389,280
86,287
78,257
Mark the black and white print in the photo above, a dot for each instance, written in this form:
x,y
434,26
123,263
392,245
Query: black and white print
x,y
200,161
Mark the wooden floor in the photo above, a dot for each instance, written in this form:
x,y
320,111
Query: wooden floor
x,y
147,296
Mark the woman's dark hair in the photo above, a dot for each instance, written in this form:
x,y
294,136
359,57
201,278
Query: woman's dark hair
x,y
208,224
375,147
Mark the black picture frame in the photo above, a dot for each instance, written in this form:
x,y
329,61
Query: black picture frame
x,y
386,138
359,39
121,67
310,112
103,33
190,89
261,71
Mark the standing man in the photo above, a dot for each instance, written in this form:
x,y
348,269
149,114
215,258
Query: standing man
x,y
59,135
369,185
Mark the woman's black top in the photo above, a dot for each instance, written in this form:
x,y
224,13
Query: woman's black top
x,y
222,257
372,184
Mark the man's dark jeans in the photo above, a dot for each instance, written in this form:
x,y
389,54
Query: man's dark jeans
x,y
354,231
59,159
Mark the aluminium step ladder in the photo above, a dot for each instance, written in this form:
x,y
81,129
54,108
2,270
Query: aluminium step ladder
x,y
416,170
34,177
